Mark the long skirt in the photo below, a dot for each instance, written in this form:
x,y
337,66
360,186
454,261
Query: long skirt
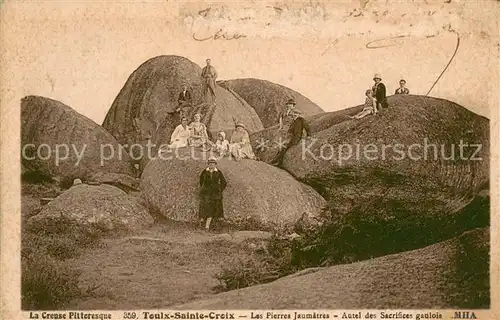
x,y
242,152
210,208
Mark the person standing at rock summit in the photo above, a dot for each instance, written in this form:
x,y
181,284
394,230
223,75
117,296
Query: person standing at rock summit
x,y
402,88
208,78
379,92
212,185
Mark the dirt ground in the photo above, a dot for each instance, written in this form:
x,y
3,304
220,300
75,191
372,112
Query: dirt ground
x,y
163,266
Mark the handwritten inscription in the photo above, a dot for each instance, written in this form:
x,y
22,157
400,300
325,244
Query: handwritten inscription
x,y
220,35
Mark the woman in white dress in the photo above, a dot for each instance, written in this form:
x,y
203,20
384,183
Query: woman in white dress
x,y
181,135
240,146
199,135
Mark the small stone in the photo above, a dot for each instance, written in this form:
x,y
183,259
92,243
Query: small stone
x,y
77,182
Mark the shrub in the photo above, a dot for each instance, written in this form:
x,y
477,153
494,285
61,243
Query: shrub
x,y
351,237
47,283
361,235
265,266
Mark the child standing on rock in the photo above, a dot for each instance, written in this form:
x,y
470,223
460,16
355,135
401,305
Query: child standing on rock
x,y
212,184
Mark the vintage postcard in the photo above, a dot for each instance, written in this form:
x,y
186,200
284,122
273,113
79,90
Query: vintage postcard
x,y
250,159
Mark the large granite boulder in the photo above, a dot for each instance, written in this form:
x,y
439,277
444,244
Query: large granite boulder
x,y
69,145
103,207
269,99
255,191
143,108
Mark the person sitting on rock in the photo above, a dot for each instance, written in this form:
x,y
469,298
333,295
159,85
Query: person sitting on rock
x,y
295,135
222,145
402,88
369,106
379,93
240,146
184,101
199,135
181,135
212,185
285,118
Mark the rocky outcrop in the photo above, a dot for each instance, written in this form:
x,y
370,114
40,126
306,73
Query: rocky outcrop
x,y
101,207
269,99
453,274
60,143
142,109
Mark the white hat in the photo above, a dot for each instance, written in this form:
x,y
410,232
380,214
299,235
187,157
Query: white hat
x,y
377,76
223,134
212,159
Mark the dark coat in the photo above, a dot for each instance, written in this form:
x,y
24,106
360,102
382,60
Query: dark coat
x,y
212,184
402,91
184,98
379,92
297,128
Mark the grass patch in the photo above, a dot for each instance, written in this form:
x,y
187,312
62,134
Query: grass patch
x,y
265,265
47,283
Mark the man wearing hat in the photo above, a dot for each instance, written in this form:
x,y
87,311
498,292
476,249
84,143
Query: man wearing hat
x,y
212,184
379,92
287,113
402,89
295,135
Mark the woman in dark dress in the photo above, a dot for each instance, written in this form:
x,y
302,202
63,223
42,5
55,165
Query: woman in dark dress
x,y
379,92
212,184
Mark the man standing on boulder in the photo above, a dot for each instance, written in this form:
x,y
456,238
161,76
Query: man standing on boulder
x,y
379,92
295,134
212,184
208,78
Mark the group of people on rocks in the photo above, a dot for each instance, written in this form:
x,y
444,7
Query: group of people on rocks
x,y
212,182
208,80
376,97
195,135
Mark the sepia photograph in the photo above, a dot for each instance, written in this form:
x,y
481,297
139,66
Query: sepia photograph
x,y
259,155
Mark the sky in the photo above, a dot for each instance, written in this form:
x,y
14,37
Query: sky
x,y
82,52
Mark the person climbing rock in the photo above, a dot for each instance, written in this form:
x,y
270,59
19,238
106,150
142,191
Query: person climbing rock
x,y
212,185
379,92
295,135
402,88
208,78
184,102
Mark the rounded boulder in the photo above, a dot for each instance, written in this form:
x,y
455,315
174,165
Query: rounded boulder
x,y
104,207
255,191
58,142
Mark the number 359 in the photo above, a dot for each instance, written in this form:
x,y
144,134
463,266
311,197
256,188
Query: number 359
x,y
129,315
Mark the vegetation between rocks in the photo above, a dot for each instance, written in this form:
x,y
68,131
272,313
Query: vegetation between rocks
x,y
352,237
46,281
